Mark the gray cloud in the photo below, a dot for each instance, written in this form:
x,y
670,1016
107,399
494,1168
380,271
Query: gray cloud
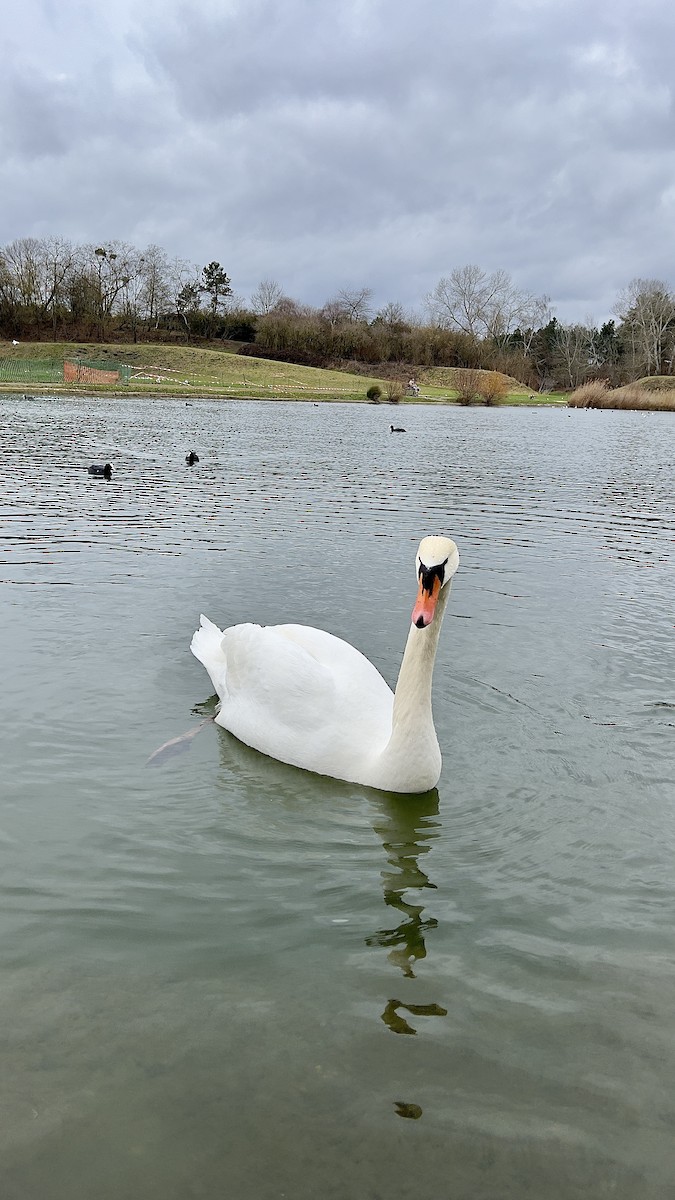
x,y
367,143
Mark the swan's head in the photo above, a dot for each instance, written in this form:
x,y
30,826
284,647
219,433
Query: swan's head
x,y
437,561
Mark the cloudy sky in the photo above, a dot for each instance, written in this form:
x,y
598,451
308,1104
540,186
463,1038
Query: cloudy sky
x,y
357,143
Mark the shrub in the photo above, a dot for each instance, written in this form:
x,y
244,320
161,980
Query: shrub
x,y
373,394
394,391
467,385
492,387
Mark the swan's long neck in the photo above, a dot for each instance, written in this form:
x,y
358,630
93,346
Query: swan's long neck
x,y
411,760
412,699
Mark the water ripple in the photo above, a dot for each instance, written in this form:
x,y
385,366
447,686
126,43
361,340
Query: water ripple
x,y
227,944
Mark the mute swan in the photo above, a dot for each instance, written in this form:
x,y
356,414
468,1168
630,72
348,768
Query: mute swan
x,y
309,699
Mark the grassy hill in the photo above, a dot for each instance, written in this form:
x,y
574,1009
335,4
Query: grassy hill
x,y
657,383
444,378
168,370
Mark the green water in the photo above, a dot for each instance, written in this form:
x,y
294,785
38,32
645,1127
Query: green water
x,y
224,977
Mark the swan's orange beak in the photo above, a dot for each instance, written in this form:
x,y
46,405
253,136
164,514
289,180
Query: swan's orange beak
x,y
425,604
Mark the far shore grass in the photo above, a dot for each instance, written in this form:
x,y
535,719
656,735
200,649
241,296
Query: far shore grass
x,y
160,370
655,393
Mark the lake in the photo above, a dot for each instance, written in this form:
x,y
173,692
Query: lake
x,y
227,977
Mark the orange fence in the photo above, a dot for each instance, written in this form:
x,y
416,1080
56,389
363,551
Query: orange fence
x,y
77,373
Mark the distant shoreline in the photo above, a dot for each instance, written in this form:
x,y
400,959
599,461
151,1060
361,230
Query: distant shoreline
x,y
183,372
47,391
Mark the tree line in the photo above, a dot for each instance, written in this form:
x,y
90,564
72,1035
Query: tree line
x,y
52,289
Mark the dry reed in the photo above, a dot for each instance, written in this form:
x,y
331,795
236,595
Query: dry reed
x,y
597,394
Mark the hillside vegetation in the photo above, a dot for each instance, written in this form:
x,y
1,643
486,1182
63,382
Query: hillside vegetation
x,y
157,369
657,383
115,293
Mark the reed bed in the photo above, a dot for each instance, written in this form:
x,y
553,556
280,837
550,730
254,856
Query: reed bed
x,y
597,394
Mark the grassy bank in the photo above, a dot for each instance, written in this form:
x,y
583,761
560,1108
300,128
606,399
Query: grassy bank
x,y
163,370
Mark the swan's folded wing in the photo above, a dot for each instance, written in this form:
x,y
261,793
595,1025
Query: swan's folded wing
x,y
274,675
302,696
349,667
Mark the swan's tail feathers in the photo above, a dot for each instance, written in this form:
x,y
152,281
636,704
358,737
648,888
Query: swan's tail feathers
x,y
207,646
206,642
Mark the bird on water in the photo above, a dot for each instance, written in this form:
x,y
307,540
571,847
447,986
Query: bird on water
x,y
308,698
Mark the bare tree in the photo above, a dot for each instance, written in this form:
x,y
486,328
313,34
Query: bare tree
x,y
57,262
536,313
503,307
22,259
347,306
132,278
184,286
333,313
512,309
482,305
38,269
156,284
288,307
266,297
461,300
7,290
574,350
392,315
356,303
646,309
109,268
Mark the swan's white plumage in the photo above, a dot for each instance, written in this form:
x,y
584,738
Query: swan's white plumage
x,y
310,699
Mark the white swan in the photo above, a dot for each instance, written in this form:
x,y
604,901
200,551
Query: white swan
x,y
309,699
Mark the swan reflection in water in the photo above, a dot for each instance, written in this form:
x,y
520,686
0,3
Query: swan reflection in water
x,y
407,827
